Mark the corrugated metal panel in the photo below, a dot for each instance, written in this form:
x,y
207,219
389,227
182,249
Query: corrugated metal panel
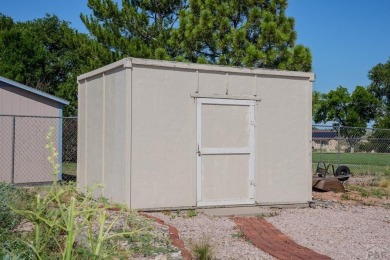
x,y
16,101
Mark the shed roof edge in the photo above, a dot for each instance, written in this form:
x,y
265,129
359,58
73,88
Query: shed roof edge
x,y
34,90
131,62
126,62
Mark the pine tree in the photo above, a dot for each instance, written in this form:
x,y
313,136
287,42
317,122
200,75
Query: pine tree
x,y
137,28
254,33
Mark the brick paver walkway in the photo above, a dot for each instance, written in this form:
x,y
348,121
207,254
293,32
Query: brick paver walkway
x,y
271,240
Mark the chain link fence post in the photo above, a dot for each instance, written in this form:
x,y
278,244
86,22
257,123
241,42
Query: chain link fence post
x,y
338,146
13,150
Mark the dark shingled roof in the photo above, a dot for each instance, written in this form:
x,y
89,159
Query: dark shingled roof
x,y
323,134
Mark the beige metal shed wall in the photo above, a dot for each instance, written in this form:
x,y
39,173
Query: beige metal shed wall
x,y
81,135
283,131
102,150
156,154
284,140
115,147
164,133
163,172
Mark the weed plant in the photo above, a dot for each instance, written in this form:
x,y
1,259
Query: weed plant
x,y
203,250
66,225
192,213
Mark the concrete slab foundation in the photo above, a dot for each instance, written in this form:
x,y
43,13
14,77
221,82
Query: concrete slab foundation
x,y
238,211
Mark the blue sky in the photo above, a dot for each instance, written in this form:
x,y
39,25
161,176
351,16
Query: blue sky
x,y
346,37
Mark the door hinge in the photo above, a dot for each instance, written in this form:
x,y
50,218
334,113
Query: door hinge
x,y
253,123
252,183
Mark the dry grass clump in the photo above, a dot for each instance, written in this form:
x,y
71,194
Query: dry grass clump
x,y
384,183
203,250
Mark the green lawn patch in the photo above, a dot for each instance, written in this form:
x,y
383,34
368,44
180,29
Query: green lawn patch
x,y
69,168
359,163
377,159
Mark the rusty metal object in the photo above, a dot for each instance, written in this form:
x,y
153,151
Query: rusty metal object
x,y
323,181
327,184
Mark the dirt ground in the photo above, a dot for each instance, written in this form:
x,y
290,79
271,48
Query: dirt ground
x,y
354,198
365,191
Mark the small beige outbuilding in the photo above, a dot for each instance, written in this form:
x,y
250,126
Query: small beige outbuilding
x,y
162,134
26,115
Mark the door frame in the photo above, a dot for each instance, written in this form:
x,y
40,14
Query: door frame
x,y
248,150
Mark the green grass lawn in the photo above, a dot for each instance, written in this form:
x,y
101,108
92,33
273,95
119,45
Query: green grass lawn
x,y
378,159
359,163
69,168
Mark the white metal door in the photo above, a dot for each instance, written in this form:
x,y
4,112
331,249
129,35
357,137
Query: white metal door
x,y
225,160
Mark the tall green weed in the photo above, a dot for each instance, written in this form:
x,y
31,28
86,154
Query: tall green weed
x,y
68,225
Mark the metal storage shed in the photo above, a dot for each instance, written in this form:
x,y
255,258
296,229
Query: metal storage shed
x,y
162,134
25,117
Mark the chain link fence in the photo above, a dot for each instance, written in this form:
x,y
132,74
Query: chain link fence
x,y
23,157
366,151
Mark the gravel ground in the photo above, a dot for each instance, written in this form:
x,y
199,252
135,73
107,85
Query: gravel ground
x,y
220,232
339,231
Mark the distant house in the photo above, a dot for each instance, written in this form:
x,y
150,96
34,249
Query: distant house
x,y
324,140
26,114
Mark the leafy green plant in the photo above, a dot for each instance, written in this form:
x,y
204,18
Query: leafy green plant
x,y
192,213
59,218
